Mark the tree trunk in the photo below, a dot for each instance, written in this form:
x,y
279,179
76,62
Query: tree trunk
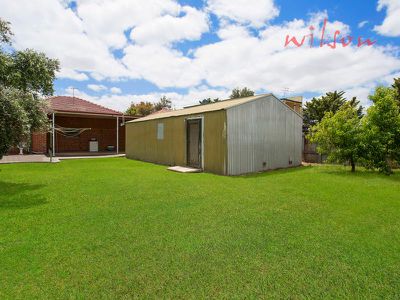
x,y
353,165
388,170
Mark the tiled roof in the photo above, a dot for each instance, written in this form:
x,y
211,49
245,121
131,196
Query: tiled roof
x,y
77,105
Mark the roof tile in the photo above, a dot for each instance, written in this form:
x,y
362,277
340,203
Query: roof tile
x,y
77,105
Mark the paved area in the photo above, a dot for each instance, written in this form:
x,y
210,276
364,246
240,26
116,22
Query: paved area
x,y
184,169
88,157
40,158
29,158
86,153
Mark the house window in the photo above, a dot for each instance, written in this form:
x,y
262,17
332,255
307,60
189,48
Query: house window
x,y
160,131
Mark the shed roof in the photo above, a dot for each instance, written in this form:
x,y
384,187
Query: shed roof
x,y
77,105
201,108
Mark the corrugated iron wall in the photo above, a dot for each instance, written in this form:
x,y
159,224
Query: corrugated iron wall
x,y
142,142
261,135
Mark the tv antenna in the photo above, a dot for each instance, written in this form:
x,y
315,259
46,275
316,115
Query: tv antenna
x,y
73,92
286,91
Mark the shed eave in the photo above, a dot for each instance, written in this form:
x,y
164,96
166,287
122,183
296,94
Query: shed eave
x,y
206,108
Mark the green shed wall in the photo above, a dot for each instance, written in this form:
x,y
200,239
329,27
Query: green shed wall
x,y
142,143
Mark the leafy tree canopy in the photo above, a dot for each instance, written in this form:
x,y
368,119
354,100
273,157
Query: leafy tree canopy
x,y
20,114
209,101
14,122
382,130
5,32
33,72
396,86
141,109
25,76
164,102
339,135
241,93
316,109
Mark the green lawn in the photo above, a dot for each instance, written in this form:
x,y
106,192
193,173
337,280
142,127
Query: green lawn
x,y
115,228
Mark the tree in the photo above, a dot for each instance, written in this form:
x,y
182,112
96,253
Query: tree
x,y
24,77
382,130
14,122
316,109
209,101
141,109
5,32
241,93
163,103
339,135
33,72
145,108
356,105
396,86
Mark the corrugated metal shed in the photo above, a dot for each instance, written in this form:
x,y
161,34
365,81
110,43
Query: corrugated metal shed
x,y
240,136
263,135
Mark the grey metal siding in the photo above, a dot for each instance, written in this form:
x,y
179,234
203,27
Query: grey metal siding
x,y
261,135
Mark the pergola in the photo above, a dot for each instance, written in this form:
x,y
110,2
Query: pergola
x,y
76,122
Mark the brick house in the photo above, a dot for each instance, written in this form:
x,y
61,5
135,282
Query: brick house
x,y
294,103
80,126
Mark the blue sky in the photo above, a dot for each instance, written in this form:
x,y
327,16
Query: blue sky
x,y
123,51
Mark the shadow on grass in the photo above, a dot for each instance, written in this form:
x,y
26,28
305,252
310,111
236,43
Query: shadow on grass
x,y
360,172
275,172
336,170
19,195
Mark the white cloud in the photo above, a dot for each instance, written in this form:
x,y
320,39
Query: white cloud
x,y
317,20
253,12
262,63
48,26
96,87
85,39
162,66
71,74
391,24
362,93
362,24
231,31
107,20
122,102
192,97
115,90
167,28
197,94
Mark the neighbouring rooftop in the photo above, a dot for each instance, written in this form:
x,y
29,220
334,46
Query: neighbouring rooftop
x,y
77,105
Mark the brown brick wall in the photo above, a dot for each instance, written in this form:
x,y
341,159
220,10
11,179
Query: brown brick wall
x,y
39,142
104,130
13,151
294,105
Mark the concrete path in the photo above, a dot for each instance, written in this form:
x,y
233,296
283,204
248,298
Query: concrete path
x,y
89,157
40,158
184,169
29,158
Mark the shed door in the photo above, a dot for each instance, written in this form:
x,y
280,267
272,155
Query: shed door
x,y
193,130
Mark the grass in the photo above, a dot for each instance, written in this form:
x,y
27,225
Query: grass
x,y
115,228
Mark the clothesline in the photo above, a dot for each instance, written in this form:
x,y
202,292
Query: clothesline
x,y
70,132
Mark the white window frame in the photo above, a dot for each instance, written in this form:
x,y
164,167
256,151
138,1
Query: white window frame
x,y
160,131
